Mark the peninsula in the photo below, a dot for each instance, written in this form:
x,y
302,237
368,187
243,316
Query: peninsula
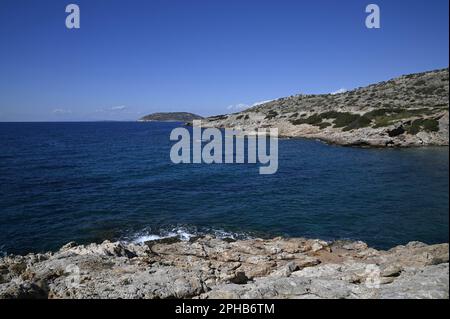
x,y
411,110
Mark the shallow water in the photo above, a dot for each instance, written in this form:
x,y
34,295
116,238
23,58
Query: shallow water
x,y
87,182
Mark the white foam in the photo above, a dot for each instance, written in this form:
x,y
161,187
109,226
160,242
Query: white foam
x,y
143,239
181,233
184,234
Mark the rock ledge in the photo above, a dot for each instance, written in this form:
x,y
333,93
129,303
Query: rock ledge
x,y
209,267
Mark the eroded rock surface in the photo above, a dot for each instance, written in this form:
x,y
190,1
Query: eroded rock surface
x,y
208,267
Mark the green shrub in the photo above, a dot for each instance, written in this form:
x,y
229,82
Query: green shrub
x,y
272,114
361,122
345,119
420,83
387,116
330,115
376,113
431,125
314,119
426,90
382,122
218,117
440,91
324,125
428,125
415,127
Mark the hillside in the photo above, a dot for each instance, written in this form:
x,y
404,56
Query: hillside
x,y
411,110
170,117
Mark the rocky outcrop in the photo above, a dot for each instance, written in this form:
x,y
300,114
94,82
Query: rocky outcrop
x,y
208,267
411,110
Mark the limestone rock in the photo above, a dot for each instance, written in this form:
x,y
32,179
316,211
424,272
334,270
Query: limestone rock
x,y
209,267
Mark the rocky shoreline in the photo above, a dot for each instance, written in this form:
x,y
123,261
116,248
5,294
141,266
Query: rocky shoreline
x,y
210,268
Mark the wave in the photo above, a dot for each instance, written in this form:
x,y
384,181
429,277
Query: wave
x,y
183,233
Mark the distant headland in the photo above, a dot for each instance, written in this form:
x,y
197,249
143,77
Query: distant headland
x,y
170,117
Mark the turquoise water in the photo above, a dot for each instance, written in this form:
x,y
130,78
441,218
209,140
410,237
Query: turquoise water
x,y
87,182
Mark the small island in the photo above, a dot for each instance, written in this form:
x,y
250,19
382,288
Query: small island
x,y
170,117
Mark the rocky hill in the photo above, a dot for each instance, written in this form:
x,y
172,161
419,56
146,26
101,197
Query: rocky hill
x,y
171,117
209,267
412,110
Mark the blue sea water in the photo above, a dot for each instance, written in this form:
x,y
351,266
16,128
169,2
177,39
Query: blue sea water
x,y
86,182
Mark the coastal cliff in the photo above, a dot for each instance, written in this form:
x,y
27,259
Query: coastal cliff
x,y
412,110
208,267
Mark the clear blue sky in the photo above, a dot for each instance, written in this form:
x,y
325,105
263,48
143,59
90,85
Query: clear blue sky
x,y
140,56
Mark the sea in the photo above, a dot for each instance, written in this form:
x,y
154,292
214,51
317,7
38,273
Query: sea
x,y
93,181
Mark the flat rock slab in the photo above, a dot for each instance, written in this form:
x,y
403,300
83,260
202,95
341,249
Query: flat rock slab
x,y
209,267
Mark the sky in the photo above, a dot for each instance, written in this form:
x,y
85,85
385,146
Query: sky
x,y
134,57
